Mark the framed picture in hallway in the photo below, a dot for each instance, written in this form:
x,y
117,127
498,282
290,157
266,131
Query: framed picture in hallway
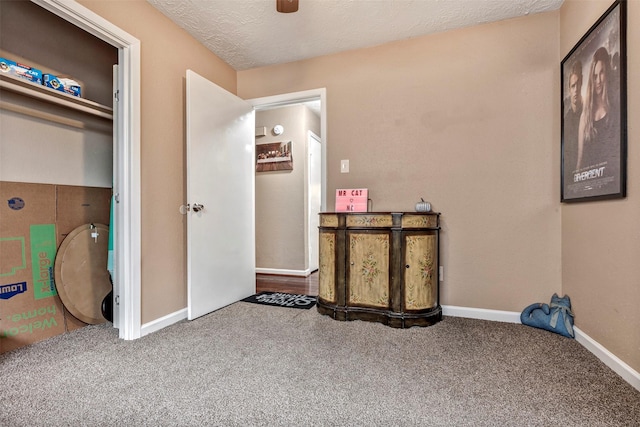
x,y
594,111
274,156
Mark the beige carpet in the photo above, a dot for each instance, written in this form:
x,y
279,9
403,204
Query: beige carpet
x,y
254,365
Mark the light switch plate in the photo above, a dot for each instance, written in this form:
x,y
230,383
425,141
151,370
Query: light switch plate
x,y
344,166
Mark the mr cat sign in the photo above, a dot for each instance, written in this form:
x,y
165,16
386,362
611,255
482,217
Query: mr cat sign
x,y
352,200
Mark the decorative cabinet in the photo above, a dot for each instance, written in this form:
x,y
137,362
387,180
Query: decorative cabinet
x,y
380,267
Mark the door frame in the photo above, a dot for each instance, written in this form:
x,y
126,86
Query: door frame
x,y
126,160
285,99
313,264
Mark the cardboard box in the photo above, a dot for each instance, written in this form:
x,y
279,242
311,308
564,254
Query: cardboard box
x,y
34,219
20,70
76,206
61,84
30,309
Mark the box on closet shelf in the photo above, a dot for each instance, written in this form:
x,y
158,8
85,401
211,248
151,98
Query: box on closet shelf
x,y
23,71
63,84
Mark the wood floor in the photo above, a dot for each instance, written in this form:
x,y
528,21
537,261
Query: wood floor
x,y
289,284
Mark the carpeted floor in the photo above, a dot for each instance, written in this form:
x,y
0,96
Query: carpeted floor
x,y
255,365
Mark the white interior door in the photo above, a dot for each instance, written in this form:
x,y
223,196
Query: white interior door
x,y
315,198
220,194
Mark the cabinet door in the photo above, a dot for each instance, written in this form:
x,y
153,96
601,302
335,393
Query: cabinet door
x,y
421,271
327,266
368,268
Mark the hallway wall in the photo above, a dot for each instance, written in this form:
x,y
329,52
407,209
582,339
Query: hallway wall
x,y
281,195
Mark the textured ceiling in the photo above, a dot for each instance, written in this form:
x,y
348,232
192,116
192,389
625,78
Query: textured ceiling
x,y
250,33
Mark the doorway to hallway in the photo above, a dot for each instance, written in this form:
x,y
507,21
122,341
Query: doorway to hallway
x,y
288,201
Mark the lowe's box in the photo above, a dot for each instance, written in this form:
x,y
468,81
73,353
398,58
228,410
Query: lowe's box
x,y
34,219
63,84
13,68
30,309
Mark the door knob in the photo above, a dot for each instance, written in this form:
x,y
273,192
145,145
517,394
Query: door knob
x,y
197,207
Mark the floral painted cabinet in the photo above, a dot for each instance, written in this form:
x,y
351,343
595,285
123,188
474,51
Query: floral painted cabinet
x,y
421,271
368,269
380,267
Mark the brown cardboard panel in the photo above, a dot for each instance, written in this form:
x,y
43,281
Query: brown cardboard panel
x,y
29,309
34,218
38,202
27,321
22,205
80,205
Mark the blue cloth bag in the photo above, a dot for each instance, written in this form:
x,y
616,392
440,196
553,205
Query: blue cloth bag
x,y
556,317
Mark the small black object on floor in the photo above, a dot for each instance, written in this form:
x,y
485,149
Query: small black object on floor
x,y
280,299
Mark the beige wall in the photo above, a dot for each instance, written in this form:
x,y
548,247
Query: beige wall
x,y
280,195
466,119
166,52
600,240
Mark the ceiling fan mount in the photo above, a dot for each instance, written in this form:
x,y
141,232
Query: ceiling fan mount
x,y
287,6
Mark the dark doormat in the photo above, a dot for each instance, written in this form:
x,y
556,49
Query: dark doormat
x,y
280,299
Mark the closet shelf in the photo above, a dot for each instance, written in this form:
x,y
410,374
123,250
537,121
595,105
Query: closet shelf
x,y
46,94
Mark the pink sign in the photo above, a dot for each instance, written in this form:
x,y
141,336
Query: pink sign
x,y
352,200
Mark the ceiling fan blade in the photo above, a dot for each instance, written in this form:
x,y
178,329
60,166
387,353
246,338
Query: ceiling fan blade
x,y
287,6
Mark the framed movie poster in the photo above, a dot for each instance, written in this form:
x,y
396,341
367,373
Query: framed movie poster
x,y
594,111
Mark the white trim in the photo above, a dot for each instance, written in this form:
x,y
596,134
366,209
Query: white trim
x,y
481,313
281,100
312,233
89,21
127,216
163,322
282,272
612,361
128,249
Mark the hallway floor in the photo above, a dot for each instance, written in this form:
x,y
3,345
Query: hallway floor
x,y
289,284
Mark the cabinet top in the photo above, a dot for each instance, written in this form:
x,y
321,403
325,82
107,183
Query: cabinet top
x,y
367,220
379,213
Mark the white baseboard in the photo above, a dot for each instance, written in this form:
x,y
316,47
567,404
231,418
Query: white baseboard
x,y
481,313
618,366
282,272
163,322
611,360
